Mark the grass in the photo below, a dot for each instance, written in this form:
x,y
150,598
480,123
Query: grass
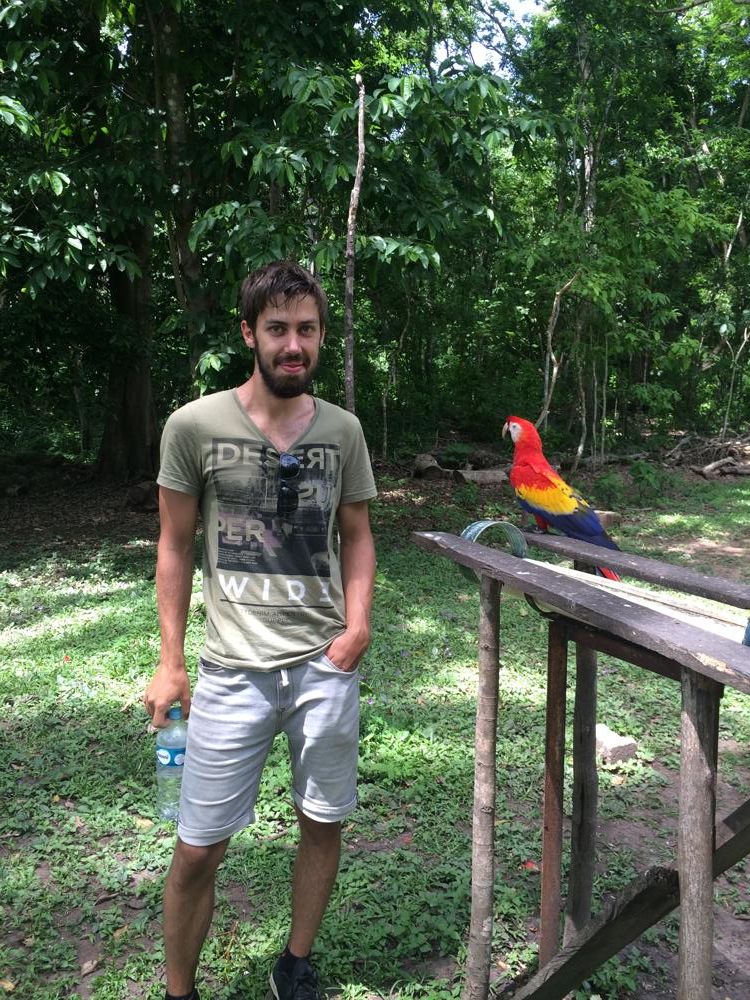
x,y
83,857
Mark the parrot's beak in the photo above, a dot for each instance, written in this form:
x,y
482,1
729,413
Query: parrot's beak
x,y
505,429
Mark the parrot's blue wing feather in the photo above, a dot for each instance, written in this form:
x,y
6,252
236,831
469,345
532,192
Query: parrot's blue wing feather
x,y
583,524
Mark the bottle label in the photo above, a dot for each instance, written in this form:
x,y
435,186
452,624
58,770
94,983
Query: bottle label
x,y
170,757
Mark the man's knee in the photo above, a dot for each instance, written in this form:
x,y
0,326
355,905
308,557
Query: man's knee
x,y
191,864
320,834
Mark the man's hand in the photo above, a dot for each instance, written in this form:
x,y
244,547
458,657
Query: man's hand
x,y
347,649
168,685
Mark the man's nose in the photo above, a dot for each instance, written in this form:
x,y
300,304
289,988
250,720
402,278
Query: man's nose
x,y
293,342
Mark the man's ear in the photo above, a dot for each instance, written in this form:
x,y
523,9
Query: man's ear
x,y
247,335
322,335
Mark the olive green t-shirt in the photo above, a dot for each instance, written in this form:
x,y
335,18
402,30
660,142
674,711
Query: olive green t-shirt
x,y
271,585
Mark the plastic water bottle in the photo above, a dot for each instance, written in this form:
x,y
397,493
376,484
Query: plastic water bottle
x,y
170,760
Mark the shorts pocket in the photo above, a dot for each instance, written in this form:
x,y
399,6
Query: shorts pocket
x,y
327,664
206,666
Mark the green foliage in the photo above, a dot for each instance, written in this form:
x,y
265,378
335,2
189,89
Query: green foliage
x,y
12,112
605,152
642,482
468,495
608,489
454,455
651,480
617,977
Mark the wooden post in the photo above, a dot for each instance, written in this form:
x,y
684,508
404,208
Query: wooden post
x,y
557,671
695,838
479,956
585,792
585,795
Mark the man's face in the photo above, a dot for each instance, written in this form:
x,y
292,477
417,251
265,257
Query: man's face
x,y
286,341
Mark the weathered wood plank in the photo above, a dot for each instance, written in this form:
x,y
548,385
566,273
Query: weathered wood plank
x,y
554,771
695,834
710,655
479,956
585,795
646,901
623,650
730,592
708,615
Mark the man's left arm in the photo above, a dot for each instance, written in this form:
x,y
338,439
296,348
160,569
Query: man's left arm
x,y
357,558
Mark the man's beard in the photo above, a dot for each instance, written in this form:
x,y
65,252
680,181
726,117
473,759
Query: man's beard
x,y
281,385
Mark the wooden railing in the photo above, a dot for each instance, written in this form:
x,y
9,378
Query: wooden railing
x,y
702,661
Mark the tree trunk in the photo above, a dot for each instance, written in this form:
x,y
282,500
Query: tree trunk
x,y
82,405
350,234
551,361
171,88
129,449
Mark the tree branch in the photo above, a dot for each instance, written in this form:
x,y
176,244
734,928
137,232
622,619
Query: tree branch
x,y
551,358
511,53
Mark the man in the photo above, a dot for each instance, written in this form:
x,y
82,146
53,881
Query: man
x,y
272,469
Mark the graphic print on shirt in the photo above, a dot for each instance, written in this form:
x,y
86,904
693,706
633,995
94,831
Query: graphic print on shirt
x,y
263,559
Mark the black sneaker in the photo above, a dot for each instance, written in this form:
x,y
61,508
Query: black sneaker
x,y
300,984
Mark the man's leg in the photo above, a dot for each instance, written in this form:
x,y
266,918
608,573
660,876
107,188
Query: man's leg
x,y
315,871
188,908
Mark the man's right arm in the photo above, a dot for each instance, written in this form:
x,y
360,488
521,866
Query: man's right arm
x,y
178,514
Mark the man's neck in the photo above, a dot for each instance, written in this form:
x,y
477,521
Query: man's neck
x,y
281,420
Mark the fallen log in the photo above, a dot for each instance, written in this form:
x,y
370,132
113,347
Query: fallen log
x,y
426,467
482,477
713,467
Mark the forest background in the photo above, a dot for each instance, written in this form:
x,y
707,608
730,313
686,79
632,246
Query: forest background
x,y
553,207
552,215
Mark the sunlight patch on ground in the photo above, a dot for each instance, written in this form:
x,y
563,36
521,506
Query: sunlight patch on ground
x,y
96,587
422,625
56,625
735,558
403,495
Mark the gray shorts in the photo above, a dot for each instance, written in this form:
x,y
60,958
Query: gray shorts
x,y
234,717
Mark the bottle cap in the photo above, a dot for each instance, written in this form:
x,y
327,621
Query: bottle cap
x,y
175,712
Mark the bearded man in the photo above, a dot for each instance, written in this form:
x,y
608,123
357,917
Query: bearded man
x,y
273,471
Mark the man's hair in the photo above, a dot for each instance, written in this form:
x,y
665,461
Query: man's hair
x,y
278,282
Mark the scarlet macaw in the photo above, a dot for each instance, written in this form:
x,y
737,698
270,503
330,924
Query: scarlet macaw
x,y
546,495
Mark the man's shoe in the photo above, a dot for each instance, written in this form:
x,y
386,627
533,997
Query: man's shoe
x,y
300,984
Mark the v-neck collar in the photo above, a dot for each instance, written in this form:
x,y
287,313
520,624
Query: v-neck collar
x,y
259,432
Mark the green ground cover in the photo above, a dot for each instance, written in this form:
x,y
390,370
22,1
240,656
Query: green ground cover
x,y
82,857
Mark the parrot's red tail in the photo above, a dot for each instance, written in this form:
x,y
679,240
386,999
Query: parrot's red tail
x,y
608,573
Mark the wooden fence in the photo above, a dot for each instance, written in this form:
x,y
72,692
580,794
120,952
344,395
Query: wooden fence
x,y
701,660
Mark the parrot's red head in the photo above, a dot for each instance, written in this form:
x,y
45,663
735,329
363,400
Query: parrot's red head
x,y
522,433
